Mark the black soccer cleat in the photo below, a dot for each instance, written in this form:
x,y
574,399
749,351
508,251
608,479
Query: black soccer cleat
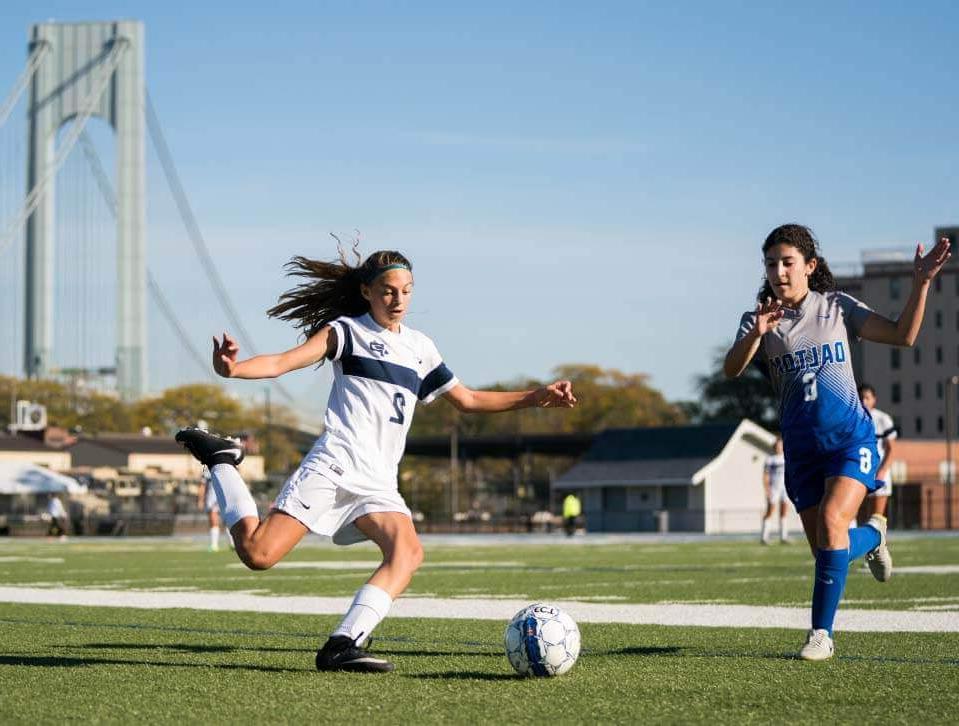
x,y
341,653
210,449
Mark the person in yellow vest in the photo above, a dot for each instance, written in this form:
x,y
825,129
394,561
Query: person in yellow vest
x,y
571,510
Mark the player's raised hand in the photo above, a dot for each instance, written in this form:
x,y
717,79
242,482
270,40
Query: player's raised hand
x,y
768,315
224,355
926,267
558,394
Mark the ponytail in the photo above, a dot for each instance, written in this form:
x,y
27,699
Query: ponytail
x,y
331,289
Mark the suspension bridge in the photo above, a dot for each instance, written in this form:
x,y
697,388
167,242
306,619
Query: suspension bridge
x,y
79,294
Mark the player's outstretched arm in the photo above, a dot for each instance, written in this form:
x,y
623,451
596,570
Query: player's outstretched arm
x,y
556,395
225,352
905,330
740,355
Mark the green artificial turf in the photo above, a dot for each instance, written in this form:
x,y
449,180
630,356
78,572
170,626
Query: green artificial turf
x,y
114,665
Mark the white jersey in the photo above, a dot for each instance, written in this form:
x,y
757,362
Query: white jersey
x,y
378,376
885,430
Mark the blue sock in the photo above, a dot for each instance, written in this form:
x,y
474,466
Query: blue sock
x,y
831,569
862,540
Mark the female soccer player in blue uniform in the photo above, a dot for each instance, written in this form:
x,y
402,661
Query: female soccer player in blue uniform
x,y
346,487
799,333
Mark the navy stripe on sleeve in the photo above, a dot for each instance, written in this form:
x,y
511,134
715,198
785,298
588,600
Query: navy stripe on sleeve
x,y
435,379
380,370
347,340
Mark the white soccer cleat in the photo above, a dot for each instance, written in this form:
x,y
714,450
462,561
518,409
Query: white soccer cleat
x,y
879,560
818,646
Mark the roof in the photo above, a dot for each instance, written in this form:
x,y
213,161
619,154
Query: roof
x,y
115,449
668,455
662,442
23,443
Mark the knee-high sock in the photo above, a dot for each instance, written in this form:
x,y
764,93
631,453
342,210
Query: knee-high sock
x,y
369,607
783,528
234,498
831,569
862,540
214,537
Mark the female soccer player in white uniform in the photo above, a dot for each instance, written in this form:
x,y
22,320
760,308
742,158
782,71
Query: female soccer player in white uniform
x,y
886,433
799,332
346,487
774,482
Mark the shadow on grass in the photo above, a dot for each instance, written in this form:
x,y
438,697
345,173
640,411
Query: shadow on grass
x,y
466,676
188,648
43,661
639,650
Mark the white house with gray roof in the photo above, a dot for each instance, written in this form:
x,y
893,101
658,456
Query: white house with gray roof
x,y
705,478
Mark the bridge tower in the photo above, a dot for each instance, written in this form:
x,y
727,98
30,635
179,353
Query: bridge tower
x,y
89,69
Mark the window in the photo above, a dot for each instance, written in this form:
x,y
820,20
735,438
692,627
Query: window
x,y
939,354
939,390
895,358
895,286
895,395
939,424
916,355
614,499
918,424
938,317
939,283
918,390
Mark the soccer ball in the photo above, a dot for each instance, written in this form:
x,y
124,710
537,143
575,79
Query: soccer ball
x,y
542,640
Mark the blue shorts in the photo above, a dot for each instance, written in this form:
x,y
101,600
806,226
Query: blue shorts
x,y
806,473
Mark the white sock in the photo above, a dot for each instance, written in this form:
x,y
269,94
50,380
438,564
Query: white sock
x,y
234,498
783,528
369,607
767,528
214,537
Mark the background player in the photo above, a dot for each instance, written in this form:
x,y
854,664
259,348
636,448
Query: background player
x,y
800,331
774,484
346,487
885,434
206,500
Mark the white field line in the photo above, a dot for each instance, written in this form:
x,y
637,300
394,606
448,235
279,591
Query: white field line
x,y
730,616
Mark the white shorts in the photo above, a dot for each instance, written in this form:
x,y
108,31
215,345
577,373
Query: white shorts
x,y
883,491
330,510
777,493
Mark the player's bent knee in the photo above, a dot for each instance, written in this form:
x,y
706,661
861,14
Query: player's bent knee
x,y
256,558
408,556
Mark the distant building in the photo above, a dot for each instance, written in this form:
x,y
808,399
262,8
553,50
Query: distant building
x,y
675,478
910,383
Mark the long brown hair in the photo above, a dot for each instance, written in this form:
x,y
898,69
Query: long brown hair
x,y
802,238
330,289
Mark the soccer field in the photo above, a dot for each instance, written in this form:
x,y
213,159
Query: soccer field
x,y
163,631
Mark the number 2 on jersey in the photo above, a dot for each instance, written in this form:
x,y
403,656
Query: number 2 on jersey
x,y
810,391
399,404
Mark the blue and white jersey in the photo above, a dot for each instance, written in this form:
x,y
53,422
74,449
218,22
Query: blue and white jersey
x,y
378,376
807,358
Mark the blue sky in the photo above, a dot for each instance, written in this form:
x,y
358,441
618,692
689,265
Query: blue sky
x,y
573,183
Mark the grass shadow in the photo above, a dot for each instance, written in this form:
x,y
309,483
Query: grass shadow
x,y
189,648
639,650
465,676
43,661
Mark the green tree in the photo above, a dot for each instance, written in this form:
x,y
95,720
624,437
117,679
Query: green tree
x,y
732,399
68,406
183,406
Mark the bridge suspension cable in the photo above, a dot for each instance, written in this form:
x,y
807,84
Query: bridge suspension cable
x,y
87,107
109,197
196,237
33,62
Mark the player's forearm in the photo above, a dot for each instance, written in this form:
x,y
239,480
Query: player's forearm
x,y
498,401
910,321
741,353
259,366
